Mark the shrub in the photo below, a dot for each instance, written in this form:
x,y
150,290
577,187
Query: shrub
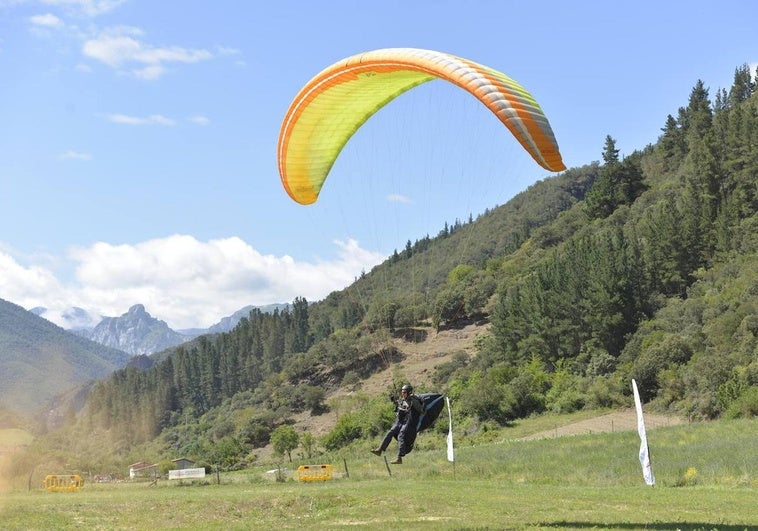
x,y
344,432
745,406
491,402
313,398
256,432
529,388
687,478
351,379
565,394
671,350
164,466
444,371
605,392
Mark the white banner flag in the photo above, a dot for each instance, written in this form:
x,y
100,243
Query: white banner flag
x,y
450,452
647,467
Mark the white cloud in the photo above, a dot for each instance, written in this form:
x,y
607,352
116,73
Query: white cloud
x,y
115,46
153,119
149,72
186,282
122,47
226,51
398,198
47,20
28,283
199,120
91,8
75,155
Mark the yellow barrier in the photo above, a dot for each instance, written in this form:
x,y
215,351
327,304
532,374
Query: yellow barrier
x,y
315,472
63,482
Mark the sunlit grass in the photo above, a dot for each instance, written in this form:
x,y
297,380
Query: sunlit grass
x,y
14,437
706,479
391,502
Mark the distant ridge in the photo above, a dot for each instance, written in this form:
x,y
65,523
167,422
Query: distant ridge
x,y
138,333
39,360
135,332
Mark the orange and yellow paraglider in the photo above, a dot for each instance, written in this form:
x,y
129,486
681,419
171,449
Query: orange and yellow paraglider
x,y
333,105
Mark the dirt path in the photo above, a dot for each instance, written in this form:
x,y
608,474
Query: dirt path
x,y
625,420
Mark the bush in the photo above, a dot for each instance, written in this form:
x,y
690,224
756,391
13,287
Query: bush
x,y
408,316
444,371
671,350
164,466
605,392
256,432
565,394
745,406
362,418
313,398
492,402
344,432
352,380
529,388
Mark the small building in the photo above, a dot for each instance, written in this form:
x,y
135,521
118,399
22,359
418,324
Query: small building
x,y
183,463
142,469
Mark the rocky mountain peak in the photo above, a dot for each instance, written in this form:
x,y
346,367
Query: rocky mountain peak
x,y
138,310
136,332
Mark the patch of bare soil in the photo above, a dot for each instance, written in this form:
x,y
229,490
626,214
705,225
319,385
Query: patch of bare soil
x,y
625,420
429,348
420,356
420,353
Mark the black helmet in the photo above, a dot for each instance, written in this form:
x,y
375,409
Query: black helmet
x,y
408,388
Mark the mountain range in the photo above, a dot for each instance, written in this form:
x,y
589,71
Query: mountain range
x,y
136,332
41,361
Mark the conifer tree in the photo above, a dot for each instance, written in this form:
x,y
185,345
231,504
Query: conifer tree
x,y
605,195
301,340
743,86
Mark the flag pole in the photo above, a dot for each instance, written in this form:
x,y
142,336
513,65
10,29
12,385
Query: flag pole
x,y
647,466
450,448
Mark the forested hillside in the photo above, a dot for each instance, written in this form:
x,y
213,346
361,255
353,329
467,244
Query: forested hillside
x,y
644,266
39,361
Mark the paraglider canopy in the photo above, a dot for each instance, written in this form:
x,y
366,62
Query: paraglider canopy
x,y
333,105
433,404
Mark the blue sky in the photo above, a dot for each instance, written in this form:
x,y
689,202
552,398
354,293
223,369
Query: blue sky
x,y
138,138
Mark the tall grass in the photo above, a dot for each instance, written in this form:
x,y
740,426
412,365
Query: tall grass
x,y
706,480
723,453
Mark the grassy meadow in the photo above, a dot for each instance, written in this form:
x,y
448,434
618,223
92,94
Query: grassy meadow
x,y
705,472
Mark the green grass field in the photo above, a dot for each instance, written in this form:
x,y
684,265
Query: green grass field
x,y
706,479
14,437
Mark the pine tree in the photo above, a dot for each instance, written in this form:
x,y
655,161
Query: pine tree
x,y
610,153
301,341
672,143
605,195
743,86
699,114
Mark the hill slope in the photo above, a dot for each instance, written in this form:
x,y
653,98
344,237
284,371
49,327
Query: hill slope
x,y
39,360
